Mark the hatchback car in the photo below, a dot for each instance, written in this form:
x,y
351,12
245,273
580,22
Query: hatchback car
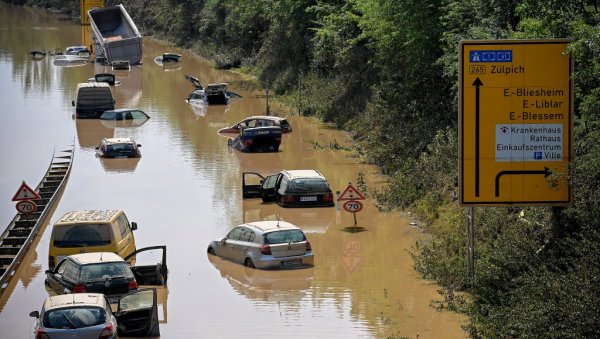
x,y
289,188
118,148
258,121
89,315
105,272
265,244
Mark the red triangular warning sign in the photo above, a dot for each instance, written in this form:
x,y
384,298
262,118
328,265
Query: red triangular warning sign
x,y
351,193
25,193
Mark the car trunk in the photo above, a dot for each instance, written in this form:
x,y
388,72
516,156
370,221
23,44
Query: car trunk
x,y
288,249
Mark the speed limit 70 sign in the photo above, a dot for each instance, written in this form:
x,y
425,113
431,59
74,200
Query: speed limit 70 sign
x,y
352,206
26,206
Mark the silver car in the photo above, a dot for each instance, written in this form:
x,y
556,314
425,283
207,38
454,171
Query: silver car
x,y
265,244
89,315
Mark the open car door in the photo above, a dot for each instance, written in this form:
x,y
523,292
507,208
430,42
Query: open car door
x,y
137,314
195,82
251,184
155,274
255,185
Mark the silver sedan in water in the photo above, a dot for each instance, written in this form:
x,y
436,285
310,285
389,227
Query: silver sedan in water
x,y
265,244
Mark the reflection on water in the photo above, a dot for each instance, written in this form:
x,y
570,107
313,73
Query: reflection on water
x,y
271,286
186,191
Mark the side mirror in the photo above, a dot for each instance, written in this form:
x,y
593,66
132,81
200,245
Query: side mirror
x,y
223,241
49,271
73,103
34,314
133,225
139,145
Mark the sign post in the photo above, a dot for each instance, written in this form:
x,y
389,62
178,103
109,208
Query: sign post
x,y
351,197
515,126
516,122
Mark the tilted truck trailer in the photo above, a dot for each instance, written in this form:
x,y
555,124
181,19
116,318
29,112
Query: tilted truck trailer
x,y
116,34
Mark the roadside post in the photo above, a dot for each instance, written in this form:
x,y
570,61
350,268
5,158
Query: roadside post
x,y
515,126
351,201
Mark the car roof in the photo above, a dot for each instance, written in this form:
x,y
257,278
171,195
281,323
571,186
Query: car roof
x,y
271,225
118,140
122,110
92,84
88,216
76,299
96,257
306,173
266,117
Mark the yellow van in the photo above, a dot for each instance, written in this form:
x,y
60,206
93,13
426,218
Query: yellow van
x,y
91,231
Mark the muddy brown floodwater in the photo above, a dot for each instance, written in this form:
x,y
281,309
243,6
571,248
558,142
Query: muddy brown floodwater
x,y
186,191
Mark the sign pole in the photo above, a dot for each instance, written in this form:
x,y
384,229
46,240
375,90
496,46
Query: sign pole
x,y
470,246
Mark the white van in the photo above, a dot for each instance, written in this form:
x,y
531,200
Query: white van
x,y
92,99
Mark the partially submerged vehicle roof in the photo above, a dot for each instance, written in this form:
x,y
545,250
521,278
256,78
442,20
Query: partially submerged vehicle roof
x,y
76,299
266,117
112,141
92,84
272,225
96,257
88,216
305,173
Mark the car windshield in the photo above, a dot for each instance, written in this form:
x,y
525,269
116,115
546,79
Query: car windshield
x,y
285,236
74,317
81,235
102,271
307,185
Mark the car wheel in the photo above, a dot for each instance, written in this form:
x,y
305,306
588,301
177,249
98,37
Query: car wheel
x,y
249,263
211,251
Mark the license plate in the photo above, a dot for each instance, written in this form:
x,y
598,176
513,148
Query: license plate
x,y
313,198
113,300
291,263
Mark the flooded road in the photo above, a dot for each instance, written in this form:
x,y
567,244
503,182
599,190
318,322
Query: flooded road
x,y
185,191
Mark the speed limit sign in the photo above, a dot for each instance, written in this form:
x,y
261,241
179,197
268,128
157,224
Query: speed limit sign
x,y
352,206
26,206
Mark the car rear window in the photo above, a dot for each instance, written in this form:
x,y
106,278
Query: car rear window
x,y
284,236
120,148
101,271
75,317
307,185
82,235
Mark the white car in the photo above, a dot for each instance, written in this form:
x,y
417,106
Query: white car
x,y
265,244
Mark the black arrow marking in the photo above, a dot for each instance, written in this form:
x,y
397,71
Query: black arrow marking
x,y
477,83
546,172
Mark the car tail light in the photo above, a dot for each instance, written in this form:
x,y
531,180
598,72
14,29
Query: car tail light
x,y
79,288
265,249
248,142
278,141
108,332
287,198
51,262
132,284
41,334
328,197
308,247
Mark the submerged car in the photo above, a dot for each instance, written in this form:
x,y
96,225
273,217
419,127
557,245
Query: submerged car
x,y
265,244
167,58
118,148
109,78
258,121
289,188
105,272
78,50
212,94
89,315
258,139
